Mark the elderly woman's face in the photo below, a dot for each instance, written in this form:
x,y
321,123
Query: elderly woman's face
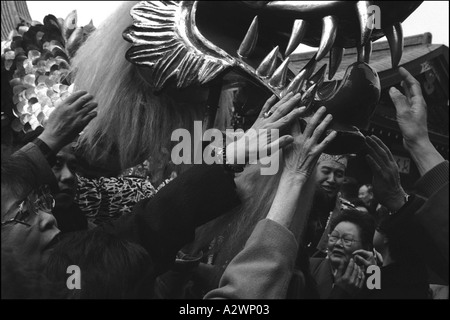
x,y
342,242
29,242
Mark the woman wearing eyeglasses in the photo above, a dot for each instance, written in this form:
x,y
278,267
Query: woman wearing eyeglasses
x,y
26,219
340,275
26,208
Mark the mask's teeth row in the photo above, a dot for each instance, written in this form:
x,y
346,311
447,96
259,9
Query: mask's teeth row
x,y
248,44
336,55
268,65
278,79
362,8
394,35
296,84
298,31
329,30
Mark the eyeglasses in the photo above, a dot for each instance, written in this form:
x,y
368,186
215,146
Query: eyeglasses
x,y
346,240
38,200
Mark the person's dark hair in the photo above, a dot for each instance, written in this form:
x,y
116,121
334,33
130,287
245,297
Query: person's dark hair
x,y
349,189
20,280
111,268
364,221
399,247
19,174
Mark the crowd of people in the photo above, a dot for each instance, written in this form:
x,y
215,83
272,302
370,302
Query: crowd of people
x,y
307,232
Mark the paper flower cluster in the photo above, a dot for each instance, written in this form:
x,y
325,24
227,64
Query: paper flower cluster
x,y
37,87
37,59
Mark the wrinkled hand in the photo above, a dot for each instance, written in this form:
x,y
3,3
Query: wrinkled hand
x,y
302,155
350,279
364,258
255,141
386,179
68,119
411,111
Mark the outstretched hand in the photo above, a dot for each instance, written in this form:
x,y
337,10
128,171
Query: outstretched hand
x,y
68,119
302,155
300,158
386,178
412,119
411,111
258,140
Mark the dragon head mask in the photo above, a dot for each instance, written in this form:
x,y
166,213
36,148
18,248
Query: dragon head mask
x,y
196,42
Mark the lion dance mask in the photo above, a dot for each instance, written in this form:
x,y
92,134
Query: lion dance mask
x,y
173,48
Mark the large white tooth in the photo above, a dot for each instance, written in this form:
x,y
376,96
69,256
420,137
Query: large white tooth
x,y
365,21
367,51
308,96
336,55
394,34
298,31
296,84
248,44
329,30
269,64
278,79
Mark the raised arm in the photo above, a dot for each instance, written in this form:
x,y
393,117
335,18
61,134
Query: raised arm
x,y
412,119
300,159
69,118
263,269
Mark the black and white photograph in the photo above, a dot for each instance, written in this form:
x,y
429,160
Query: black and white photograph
x,y
241,151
